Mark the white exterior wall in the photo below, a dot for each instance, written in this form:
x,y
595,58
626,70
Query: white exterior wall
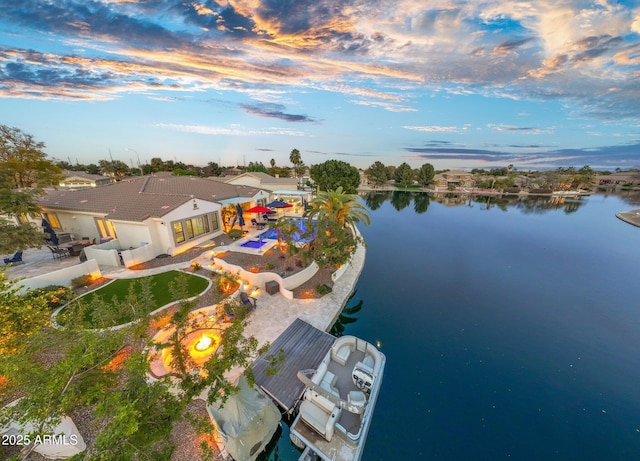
x,y
78,224
186,211
132,234
62,276
106,254
138,255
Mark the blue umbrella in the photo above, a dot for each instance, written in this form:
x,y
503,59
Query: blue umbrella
x,y
277,204
240,215
46,227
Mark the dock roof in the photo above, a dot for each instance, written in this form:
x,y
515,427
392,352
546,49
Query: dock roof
x,y
304,348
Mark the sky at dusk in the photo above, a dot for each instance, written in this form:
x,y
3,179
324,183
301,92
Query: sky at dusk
x,y
459,84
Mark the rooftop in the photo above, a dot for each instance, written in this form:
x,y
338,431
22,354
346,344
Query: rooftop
x,y
154,196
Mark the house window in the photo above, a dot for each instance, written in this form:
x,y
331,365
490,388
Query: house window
x,y
191,228
105,228
214,221
178,231
52,219
200,225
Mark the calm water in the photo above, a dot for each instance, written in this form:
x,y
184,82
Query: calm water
x,y
511,329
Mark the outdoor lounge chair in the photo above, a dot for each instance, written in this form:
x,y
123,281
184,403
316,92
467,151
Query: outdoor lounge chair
x,y
248,300
255,223
15,259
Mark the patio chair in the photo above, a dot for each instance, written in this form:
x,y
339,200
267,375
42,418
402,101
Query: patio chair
x,y
248,300
58,253
255,223
15,259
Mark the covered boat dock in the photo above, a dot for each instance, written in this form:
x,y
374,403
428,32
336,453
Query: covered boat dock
x,y
304,347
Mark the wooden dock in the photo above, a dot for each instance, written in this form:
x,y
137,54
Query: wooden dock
x,y
304,348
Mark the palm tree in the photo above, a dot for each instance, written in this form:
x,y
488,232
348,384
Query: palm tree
x,y
333,216
286,232
296,159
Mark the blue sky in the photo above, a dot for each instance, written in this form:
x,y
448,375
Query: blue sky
x,y
459,84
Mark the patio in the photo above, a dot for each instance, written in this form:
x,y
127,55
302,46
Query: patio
x,y
39,261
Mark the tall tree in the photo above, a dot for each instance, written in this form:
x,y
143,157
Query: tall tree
x,y
404,175
333,216
333,174
59,371
425,174
256,166
296,159
377,173
20,234
22,158
213,169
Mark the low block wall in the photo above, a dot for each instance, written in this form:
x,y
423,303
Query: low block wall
x,y
138,255
62,276
261,278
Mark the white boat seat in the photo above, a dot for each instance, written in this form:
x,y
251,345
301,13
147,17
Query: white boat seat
x,y
320,414
342,354
328,383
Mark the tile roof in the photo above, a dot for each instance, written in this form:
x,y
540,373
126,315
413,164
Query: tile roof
x,y
81,174
265,178
137,199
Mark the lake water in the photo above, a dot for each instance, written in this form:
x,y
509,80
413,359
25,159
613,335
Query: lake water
x,y
511,329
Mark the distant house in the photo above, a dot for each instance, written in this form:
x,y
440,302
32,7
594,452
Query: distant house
x,y
77,179
454,178
263,181
172,213
631,178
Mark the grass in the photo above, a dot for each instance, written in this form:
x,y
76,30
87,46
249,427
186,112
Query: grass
x,y
120,289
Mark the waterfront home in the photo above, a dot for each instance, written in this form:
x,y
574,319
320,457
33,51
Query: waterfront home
x,y
168,214
454,178
78,179
263,181
626,178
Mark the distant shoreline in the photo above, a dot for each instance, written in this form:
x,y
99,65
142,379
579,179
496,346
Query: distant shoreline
x,y
475,191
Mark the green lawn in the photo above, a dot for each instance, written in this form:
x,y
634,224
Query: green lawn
x,y
120,290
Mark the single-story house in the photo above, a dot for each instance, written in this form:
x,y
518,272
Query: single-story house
x,y
263,181
629,178
171,214
77,179
454,178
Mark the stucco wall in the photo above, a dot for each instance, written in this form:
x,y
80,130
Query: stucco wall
x,y
132,234
165,230
78,224
106,254
138,255
62,276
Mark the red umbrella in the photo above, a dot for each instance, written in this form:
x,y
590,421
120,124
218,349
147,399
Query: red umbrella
x,y
257,209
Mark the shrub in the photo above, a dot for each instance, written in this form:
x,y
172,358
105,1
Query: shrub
x,y
324,289
226,284
268,266
234,233
55,295
196,266
82,281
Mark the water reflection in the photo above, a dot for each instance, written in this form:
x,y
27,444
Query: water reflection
x,y
347,316
527,205
631,197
